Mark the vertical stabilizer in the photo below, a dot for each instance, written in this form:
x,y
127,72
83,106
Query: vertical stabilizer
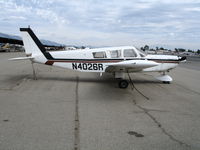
x,y
32,44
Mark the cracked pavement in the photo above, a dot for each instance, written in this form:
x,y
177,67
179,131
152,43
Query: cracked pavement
x,y
71,110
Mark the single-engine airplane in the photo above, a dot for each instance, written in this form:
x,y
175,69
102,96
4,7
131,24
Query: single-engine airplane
x,y
115,60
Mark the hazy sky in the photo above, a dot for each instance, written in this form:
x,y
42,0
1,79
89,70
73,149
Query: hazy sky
x,y
170,23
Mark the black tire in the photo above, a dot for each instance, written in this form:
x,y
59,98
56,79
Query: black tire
x,y
123,84
166,82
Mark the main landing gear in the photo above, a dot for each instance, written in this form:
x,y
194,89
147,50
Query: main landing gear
x,y
123,84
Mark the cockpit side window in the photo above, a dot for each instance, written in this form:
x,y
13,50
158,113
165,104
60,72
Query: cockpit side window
x,y
129,53
99,55
115,54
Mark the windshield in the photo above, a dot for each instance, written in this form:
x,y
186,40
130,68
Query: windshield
x,y
142,53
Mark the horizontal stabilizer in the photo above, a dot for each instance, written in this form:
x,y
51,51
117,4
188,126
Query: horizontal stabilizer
x,y
21,58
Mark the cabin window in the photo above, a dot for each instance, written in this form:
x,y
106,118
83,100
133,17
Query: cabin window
x,y
99,55
115,54
129,53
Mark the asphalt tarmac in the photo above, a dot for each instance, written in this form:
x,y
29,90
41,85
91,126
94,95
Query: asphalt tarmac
x,y
67,110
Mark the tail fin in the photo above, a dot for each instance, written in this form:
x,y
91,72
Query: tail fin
x,y
32,44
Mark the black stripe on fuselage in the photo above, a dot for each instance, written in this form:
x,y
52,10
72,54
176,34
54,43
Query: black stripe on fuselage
x,y
165,60
37,42
109,60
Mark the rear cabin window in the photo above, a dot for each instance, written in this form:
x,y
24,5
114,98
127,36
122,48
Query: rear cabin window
x,y
115,54
99,55
129,53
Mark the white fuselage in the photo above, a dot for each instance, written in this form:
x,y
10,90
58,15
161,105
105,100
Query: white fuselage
x,y
99,59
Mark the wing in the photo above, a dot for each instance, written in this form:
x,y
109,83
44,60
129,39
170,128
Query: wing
x,y
130,66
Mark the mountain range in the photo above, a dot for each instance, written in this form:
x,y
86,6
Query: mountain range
x,y
44,42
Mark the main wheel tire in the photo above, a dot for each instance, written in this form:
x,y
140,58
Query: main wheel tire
x,y
123,84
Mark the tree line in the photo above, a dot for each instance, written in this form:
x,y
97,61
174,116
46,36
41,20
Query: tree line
x,y
147,48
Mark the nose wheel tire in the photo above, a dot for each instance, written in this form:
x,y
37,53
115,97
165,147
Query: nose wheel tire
x,y
123,84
